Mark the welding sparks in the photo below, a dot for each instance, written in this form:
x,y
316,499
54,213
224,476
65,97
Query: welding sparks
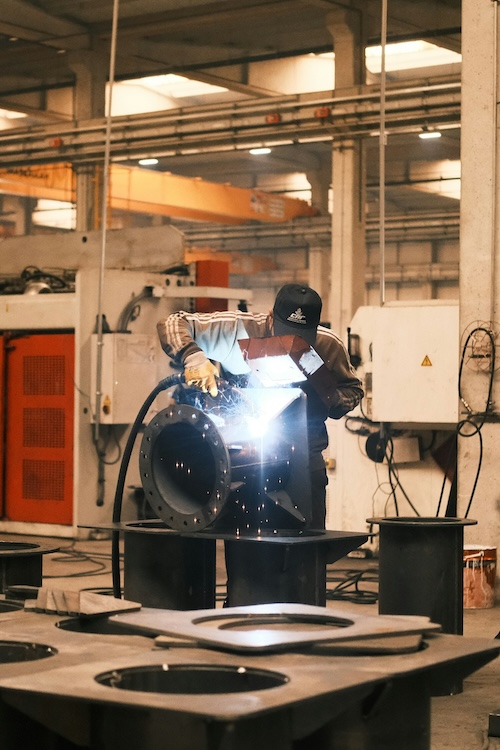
x,y
242,444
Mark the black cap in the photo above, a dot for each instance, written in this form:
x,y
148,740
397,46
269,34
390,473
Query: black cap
x,y
297,311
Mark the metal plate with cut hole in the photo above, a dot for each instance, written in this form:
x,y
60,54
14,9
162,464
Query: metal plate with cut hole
x,y
271,627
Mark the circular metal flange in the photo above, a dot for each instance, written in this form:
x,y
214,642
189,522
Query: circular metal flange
x,y
441,522
185,468
25,549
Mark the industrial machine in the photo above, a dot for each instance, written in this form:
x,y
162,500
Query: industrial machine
x,y
398,446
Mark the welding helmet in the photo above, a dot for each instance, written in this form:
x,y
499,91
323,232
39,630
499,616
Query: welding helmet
x,y
297,312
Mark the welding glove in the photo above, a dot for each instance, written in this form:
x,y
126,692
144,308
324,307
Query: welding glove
x,y
201,373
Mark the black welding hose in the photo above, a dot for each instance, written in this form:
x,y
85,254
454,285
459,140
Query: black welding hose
x,y
118,501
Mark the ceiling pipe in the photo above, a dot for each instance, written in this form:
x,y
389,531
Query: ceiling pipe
x,y
223,128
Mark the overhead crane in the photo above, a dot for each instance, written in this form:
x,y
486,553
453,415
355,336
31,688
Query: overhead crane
x,y
146,191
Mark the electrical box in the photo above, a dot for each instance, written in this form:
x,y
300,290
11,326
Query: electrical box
x,y
129,374
410,358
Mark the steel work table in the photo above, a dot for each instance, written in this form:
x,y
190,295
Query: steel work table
x,y
169,569
288,700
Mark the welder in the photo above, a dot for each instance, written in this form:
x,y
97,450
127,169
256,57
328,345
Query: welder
x,y
195,341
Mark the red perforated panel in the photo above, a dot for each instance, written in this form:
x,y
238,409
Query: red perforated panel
x,y
44,428
44,375
39,435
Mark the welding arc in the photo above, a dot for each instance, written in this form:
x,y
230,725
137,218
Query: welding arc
x,y
118,500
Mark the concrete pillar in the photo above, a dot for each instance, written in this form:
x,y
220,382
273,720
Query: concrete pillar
x,y
88,196
319,258
348,256
345,26
320,180
90,69
480,266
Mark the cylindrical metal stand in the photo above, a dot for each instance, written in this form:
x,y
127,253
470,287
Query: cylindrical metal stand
x,y
421,568
21,563
421,572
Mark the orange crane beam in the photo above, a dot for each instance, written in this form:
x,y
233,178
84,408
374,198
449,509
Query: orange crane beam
x,y
149,192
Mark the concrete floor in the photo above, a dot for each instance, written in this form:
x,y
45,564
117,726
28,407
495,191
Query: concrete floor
x,y
459,722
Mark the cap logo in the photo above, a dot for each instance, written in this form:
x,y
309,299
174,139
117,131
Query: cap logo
x,y
297,317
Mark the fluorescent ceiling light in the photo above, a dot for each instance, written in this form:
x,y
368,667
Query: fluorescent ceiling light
x,y
147,162
259,151
428,134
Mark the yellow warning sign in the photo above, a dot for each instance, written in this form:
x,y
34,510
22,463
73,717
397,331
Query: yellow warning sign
x,y
426,362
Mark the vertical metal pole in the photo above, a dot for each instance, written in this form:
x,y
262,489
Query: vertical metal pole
x,y
105,187
494,151
382,145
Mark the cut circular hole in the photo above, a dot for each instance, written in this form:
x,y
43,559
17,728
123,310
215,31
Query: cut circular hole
x,y
99,625
278,621
192,679
14,651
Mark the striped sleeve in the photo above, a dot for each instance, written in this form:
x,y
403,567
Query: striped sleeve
x,y
215,334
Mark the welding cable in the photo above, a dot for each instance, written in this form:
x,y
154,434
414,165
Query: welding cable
x,y
451,455
363,430
353,578
111,434
118,501
469,421
394,473
389,451
32,273
72,555
380,488
474,421
491,337
427,448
